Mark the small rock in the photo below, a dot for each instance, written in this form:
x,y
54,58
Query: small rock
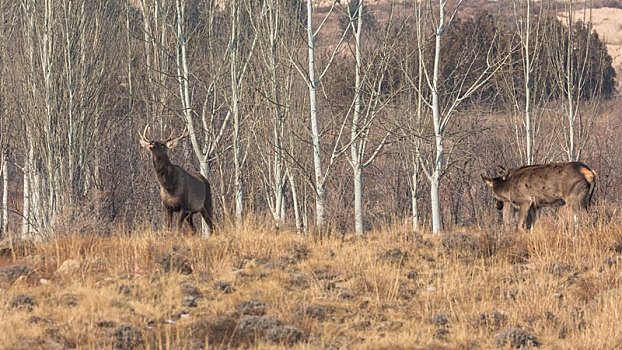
x,y
127,337
68,267
516,338
252,307
10,274
192,290
174,261
189,301
22,302
44,282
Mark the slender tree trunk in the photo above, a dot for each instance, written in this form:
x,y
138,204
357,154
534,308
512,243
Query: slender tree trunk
x,y
297,218
413,196
527,63
570,89
5,193
354,148
26,211
320,201
184,94
438,132
235,107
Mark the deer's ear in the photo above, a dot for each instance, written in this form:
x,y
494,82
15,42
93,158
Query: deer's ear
x,y
144,143
487,180
171,144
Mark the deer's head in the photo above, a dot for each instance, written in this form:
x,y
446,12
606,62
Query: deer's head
x,y
159,147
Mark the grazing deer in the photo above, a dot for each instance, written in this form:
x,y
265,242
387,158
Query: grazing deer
x,y
548,185
182,191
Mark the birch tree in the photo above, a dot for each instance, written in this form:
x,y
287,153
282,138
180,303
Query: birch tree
x,y
276,33
312,80
364,116
580,74
529,30
443,103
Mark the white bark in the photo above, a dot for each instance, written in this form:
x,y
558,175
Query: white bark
x,y
235,110
26,210
438,131
184,94
5,194
356,156
320,201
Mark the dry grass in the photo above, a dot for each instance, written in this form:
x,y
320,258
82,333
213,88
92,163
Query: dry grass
x,y
388,290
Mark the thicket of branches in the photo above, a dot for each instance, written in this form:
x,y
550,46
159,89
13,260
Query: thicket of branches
x,y
80,78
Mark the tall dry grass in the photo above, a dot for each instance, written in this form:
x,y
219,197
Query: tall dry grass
x,y
389,289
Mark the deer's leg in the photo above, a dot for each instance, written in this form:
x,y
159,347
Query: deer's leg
x,y
181,219
207,216
522,215
189,221
169,219
532,215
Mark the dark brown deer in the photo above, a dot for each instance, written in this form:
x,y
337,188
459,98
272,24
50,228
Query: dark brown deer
x,y
182,191
530,188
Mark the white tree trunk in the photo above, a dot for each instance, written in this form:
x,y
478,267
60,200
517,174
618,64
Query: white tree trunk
x,y
297,218
438,132
356,160
184,92
320,201
26,211
5,194
235,109
527,72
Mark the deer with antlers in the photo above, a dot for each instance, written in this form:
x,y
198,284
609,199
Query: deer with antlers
x,y
186,192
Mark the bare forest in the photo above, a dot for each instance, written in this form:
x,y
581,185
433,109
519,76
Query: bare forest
x,y
352,124
324,128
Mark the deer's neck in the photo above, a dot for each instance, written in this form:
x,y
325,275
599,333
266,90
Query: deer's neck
x,y
165,171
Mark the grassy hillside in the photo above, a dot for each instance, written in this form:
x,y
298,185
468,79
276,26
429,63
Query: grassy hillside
x,y
390,289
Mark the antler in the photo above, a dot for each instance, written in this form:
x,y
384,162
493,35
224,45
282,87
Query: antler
x,y
170,139
143,136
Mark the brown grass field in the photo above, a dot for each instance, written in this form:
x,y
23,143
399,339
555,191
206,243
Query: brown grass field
x,y
254,288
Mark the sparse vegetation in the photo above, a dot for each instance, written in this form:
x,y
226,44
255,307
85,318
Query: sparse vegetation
x,y
389,289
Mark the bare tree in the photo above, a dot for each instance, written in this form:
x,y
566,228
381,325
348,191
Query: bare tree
x,y
364,116
312,80
529,28
571,58
443,104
